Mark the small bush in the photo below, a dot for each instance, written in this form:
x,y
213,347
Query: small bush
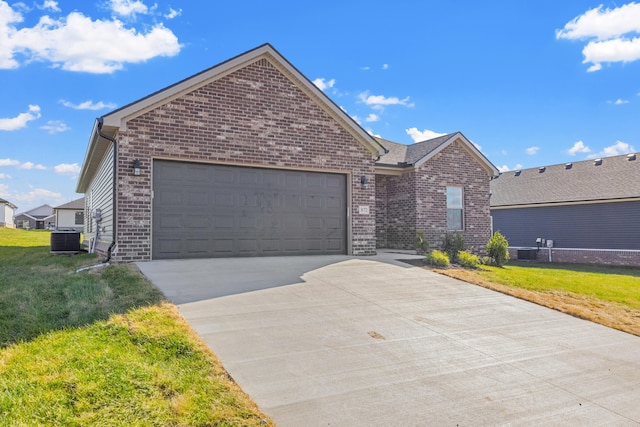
x,y
485,260
438,259
497,249
422,245
467,259
453,243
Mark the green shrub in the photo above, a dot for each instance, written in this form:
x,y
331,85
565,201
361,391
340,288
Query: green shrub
x,y
422,245
467,259
485,260
497,249
438,259
453,243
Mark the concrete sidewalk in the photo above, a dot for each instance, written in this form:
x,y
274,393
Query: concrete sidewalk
x,y
371,342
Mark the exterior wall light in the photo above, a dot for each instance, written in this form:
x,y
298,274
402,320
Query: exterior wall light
x,y
136,167
364,182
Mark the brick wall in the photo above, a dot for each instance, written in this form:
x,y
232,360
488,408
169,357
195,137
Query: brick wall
x,y
397,224
254,116
417,201
453,166
585,256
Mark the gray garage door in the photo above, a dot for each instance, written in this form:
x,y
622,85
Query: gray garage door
x,y
204,211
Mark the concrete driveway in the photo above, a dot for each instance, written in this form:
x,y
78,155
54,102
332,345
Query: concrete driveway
x,y
342,341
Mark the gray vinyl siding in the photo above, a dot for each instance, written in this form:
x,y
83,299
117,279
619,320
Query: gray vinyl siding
x,y
589,226
100,196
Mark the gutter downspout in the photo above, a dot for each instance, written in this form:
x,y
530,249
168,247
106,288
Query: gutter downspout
x,y
114,215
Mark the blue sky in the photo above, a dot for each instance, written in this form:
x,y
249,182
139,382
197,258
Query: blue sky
x,y
531,83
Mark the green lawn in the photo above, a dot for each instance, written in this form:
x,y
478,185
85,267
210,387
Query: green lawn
x,y
613,284
101,347
606,295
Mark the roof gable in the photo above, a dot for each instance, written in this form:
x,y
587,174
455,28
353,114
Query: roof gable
x,y
609,178
41,211
118,118
401,155
110,124
8,203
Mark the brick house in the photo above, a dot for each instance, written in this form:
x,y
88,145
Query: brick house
x,y
250,158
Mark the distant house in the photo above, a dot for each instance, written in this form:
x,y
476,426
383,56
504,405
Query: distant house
x,y
39,218
588,211
7,210
70,216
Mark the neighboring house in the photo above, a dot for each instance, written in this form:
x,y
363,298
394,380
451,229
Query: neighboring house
x,y
437,186
70,216
7,210
589,210
250,158
38,218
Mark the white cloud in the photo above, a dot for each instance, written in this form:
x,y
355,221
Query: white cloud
x,y
505,168
323,84
67,169
424,135
21,120
578,147
367,68
616,149
611,29
9,162
4,176
21,165
39,195
478,146
50,5
173,13
79,43
618,101
603,23
615,50
532,150
128,7
385,66
4,191
31,165
380,100
55,126
372,118
89,105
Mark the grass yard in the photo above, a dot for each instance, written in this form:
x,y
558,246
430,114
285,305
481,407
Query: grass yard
x,y
101,347
603,294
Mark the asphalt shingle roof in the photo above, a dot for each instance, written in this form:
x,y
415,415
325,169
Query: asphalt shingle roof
x,y
74,204
613,178
402,154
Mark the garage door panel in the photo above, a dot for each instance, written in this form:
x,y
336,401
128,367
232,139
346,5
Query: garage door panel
x,y
334,203
224,176
220,211
197,221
